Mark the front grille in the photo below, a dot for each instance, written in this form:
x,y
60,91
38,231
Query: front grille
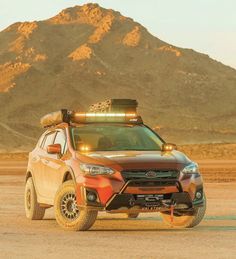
x,y
142,175
150,183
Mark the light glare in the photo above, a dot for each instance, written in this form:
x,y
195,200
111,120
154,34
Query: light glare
x,y
105,114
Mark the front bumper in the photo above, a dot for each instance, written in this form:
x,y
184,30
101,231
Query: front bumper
x,y
153,195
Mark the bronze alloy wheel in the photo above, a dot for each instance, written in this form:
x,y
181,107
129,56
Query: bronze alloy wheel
x,y
69,208
68,214
28,199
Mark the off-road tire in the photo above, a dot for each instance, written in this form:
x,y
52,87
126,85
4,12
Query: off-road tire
x,y
85,218
186,221
199,215
132,215
33,210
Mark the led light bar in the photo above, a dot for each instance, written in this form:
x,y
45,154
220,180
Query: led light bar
x,y
105,115
89,117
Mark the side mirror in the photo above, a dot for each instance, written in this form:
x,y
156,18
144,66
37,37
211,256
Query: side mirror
x,y
168,147
54,149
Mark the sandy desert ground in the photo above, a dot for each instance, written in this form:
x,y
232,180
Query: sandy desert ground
x,y
114,236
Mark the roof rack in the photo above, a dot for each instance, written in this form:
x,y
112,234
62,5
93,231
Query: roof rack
x,y
114,110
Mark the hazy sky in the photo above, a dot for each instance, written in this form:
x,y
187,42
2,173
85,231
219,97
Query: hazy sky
x,y
208,26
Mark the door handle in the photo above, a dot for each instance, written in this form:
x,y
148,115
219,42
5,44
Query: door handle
x,y
46,161
35,158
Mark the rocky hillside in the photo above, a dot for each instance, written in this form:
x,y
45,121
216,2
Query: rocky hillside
x,y
87,54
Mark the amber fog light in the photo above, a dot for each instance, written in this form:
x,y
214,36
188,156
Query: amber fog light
x,y
91,196
198,195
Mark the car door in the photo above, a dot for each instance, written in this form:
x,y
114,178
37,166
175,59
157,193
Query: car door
x,y
54,166
42,181
35,164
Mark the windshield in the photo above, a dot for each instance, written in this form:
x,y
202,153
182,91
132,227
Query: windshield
x,y
115,138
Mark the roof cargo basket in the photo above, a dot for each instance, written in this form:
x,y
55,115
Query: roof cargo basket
x,y
115,105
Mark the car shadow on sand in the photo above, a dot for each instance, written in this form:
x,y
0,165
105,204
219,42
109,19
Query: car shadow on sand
x,y
217,224
166,229
154,224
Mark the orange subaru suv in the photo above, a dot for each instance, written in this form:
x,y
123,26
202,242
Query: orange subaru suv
x,y
108,160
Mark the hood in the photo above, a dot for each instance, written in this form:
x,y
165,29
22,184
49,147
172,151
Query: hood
x,y
139,159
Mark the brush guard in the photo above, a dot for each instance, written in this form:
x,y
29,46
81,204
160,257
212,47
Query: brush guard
x,y
151,202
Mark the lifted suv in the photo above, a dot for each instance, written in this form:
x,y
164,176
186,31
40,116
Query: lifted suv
x,y
108,160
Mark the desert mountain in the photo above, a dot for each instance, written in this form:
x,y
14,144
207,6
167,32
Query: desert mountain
x,y
87,54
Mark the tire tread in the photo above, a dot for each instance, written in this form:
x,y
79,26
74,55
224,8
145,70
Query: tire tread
x,y
37,212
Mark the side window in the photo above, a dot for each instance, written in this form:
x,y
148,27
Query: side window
x,y
48,140
40,141
61,139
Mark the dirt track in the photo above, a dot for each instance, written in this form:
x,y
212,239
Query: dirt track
x,y
113,236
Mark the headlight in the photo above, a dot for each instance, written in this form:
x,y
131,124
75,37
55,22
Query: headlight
x,y
191,169
96,169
